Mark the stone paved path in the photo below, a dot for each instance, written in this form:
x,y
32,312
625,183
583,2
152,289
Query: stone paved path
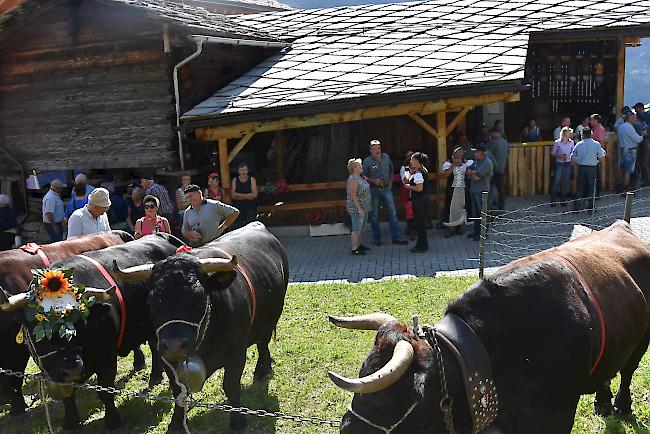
x,y
326,259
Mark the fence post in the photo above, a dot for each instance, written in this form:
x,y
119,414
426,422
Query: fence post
x,y
481,242
629,197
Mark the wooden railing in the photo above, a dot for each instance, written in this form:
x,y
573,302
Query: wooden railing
x,y
530,166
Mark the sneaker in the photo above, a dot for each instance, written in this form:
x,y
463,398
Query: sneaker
x,y
416,250
358,252
400,242
363,248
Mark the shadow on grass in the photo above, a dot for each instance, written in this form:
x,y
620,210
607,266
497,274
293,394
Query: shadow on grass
x,y
255,396
616,425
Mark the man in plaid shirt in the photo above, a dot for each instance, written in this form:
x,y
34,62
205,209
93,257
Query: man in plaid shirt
x,y
166,207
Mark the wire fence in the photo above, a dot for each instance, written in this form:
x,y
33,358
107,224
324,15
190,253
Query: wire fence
x,y
514,234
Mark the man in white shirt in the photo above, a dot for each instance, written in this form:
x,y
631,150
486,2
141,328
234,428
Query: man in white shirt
x,y
91,218
53,210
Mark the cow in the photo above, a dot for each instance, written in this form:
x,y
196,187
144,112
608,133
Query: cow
x,y
209,305
99,340
514,353
15,275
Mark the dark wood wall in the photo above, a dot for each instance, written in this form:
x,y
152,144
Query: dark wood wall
x,y
86,88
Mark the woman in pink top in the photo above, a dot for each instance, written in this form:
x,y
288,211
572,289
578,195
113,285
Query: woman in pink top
x,y
562,175
151,223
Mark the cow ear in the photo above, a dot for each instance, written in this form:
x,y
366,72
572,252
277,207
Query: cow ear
x,y
220,281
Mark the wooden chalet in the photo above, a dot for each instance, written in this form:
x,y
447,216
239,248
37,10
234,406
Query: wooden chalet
x,y
414,75
89,84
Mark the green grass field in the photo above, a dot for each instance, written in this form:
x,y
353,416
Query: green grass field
x,y
307,347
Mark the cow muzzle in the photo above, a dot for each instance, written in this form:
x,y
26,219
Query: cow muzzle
x,y
175,350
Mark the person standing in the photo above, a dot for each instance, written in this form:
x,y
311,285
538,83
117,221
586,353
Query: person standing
x,y
244,196
181,198
565,122
586,154
81,186
531,132
378,171
53,211
214,190
92,218
455,214
8,223
405,197
499,147
641,125
628,142
417,187
78,200
205,219
480,174
562,173
358,204
157,190
581,126
151,223
598,134
136,207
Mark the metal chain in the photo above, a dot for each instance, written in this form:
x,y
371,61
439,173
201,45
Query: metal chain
x,y
192,403
447,401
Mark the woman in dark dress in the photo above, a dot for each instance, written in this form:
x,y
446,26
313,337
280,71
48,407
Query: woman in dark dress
x,y
244,196
417,186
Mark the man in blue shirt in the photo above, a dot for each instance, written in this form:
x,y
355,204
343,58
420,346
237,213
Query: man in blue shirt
x,y
480,174
629,141
378,171
586,155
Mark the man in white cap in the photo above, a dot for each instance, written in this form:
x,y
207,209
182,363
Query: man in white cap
x,y
53,211
91,218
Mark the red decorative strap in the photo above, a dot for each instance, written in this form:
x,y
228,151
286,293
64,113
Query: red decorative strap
x,y
35,249
599,312
111,282
183,249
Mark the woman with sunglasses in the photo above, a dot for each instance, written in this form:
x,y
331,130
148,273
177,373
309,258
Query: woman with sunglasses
x,y
151,223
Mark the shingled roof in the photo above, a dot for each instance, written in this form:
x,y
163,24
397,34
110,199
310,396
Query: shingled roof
x,y
356,53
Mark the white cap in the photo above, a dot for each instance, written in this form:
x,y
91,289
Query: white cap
x,y
99,197
375,142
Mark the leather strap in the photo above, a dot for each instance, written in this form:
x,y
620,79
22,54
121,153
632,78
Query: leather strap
x,y
35,249
599,312
111,282
476,369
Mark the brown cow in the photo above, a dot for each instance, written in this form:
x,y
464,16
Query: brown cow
x,y
549,327
15,276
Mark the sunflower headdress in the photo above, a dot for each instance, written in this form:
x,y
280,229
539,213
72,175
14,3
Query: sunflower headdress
x,y
57,303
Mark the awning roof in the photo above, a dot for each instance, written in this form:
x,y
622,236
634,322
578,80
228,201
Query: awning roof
x,y
352,53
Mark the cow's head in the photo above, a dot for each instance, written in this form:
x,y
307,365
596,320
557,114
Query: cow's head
x,y
59,357
178,300
399,387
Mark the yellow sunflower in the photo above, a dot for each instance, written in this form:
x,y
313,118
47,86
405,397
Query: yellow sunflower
x,y
40,317
54,284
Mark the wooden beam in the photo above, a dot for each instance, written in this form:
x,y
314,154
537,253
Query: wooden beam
x,y
240,145
421,108
279,154
460,116
620,76
441,120
421,122
224,168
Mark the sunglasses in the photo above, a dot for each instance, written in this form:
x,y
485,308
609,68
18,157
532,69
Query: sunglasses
x,y
150,206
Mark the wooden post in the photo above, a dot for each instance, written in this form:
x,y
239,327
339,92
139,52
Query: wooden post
x,y
441,121
280,147
224,168
629,200
620,76
484,226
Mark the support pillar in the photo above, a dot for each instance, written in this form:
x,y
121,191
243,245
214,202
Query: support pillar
x,y
620,77
224,168
280,148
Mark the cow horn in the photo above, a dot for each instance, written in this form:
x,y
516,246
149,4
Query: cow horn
x,y
389,374
216,265
371,321
100,294
15,302
132,274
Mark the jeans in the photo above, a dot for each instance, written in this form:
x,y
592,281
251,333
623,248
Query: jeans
x,y
561,186
500,184
385,196
54,237
420,216
586,184
477,207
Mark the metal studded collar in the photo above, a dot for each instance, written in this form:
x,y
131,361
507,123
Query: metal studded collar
x,y
475,367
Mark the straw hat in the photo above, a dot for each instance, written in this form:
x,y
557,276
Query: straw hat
x,y
99,197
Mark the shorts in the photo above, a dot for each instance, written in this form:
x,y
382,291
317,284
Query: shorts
x,y
627,159
358,222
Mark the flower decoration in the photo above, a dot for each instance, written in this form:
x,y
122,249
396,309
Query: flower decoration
x,y
57,304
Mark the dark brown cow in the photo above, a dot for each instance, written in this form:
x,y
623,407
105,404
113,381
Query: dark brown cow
x,y
15,275
553,326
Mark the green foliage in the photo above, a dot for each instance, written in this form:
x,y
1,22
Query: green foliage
x,y
307,347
